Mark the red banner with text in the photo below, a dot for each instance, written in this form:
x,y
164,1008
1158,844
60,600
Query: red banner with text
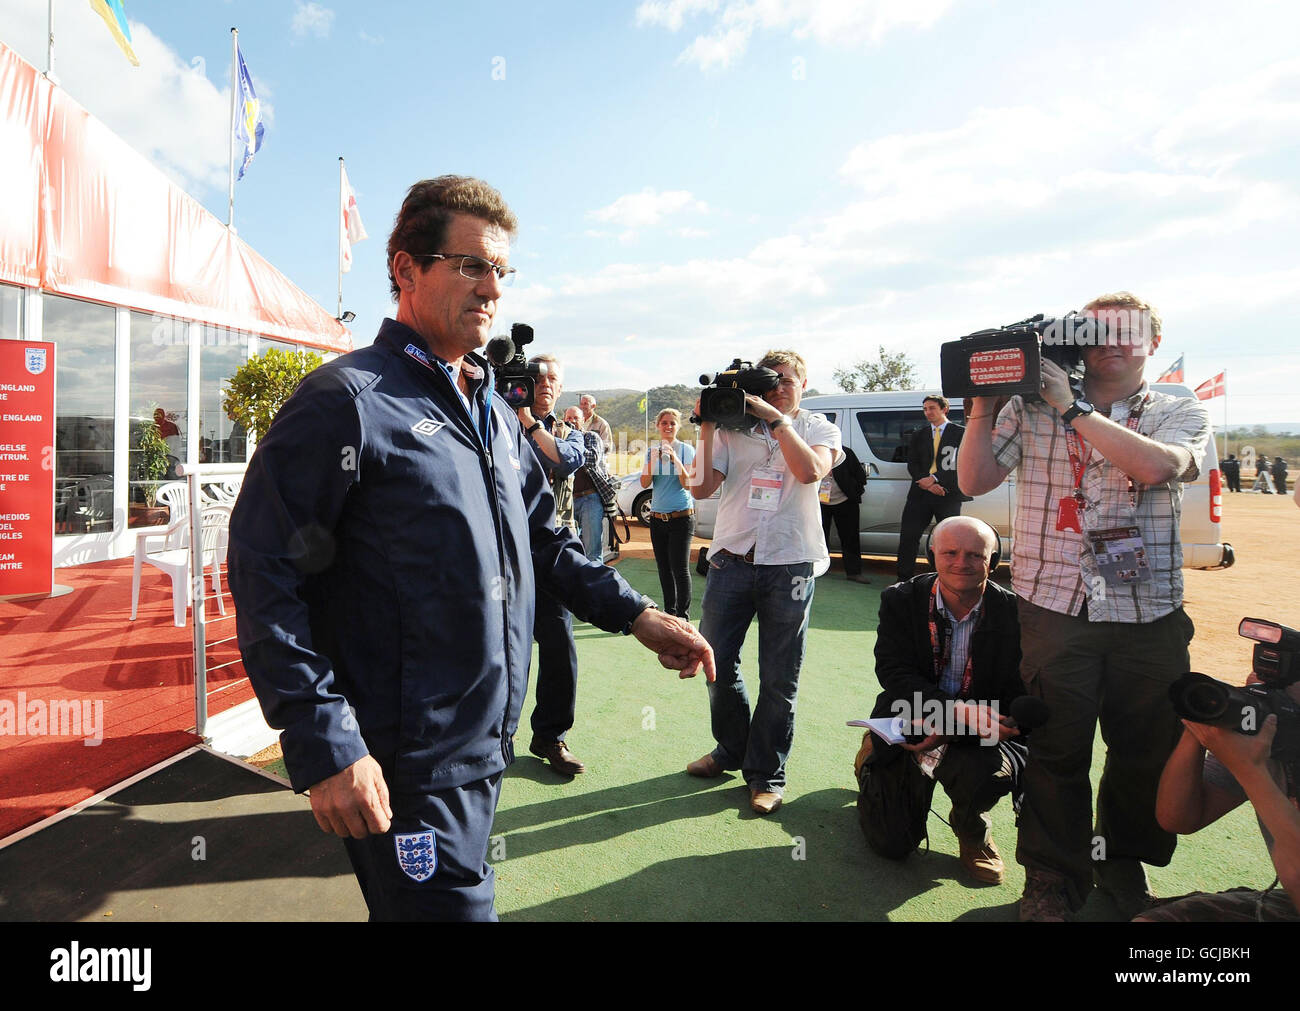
x,y
26,467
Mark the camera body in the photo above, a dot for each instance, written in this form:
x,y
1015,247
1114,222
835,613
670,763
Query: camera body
x,y
1276,662
1007,360
723,399
516,379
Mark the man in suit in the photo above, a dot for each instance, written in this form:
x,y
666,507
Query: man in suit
x,y
934,495
948,661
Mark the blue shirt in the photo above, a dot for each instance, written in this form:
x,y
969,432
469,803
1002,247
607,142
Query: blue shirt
x,y
570,450
669,496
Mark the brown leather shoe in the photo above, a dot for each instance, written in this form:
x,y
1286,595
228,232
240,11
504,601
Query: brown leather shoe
x,y
764,801
706,767
558,754
983,863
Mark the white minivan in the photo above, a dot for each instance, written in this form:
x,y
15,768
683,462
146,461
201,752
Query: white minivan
x,y
877,427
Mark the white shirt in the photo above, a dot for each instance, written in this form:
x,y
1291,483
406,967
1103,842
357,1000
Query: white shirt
x,y
793,532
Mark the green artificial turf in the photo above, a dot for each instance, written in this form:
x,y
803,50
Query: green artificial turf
x,y
636,838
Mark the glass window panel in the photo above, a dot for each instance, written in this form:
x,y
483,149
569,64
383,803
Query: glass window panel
x,y
11,311
83,333
220,439
158,396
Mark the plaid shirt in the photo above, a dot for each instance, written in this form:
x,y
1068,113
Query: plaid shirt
x,y
1055,569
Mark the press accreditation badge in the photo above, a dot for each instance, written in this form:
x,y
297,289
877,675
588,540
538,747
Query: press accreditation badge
x,y
1067,515
765,490
824,491
1121,556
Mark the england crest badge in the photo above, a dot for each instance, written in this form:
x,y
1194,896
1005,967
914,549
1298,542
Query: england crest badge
x,y
35,360
417,855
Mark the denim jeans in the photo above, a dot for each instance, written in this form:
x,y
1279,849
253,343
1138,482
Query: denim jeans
x,y
781,597
672,545
589,511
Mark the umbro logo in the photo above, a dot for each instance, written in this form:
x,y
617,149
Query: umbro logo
x,y
427,426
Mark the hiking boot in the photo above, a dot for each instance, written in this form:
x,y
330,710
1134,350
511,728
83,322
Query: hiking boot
x,y
1044,899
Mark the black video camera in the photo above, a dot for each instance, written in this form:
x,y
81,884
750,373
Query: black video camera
x,y
1276,662
516,379
723,399
1007,360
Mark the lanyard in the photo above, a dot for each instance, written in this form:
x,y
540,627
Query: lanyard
x,y
1079,451
943,656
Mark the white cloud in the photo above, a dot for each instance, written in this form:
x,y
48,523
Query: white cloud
x,y
649,207
828,22
311,19
167,108
374,40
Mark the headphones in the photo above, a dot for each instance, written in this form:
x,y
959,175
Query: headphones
x,y
994,559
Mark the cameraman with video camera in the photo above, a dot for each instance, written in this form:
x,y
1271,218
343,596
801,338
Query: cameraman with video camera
x,y
1098,570
767,541
1197,789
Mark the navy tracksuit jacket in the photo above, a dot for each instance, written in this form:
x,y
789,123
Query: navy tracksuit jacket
x,y
383,560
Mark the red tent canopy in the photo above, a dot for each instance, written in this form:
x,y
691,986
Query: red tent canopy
x,y
83,214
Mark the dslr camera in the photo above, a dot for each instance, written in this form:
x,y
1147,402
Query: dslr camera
x,y
516,379
1007,360
1275,662
723,399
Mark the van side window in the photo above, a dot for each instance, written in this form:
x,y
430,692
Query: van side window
x,y
889,432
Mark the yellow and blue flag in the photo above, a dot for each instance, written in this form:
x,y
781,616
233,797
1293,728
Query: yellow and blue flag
x,y
115,17
248,116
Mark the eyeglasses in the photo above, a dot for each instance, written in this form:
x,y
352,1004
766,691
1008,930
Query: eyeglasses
x,y
474,267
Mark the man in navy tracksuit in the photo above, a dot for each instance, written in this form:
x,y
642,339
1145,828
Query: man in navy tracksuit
x,y
384,554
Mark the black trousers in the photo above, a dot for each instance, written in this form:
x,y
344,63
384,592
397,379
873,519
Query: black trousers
x,y
557,670
845,516
920,509
671,540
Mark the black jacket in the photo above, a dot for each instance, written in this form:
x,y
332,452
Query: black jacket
x,y
920,454
905,659
851,476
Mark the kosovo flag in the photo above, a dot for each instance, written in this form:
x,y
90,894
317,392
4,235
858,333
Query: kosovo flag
x,y
248,116
115,17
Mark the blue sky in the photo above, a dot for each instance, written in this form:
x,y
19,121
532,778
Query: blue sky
x,y
702,179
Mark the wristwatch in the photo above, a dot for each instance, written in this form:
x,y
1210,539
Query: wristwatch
x,y
772,426
532,428
646,605
1079,408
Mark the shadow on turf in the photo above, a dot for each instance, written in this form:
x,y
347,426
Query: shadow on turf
x,y
824,872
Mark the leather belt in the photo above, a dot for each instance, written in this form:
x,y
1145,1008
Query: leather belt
x,y
672,516
747,557
584,494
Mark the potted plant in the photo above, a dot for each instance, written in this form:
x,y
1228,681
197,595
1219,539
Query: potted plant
x,y
260,386
148,466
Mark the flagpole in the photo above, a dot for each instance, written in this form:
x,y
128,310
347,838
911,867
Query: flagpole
x,y
647,418
234,93
339,314
1225,411
49,41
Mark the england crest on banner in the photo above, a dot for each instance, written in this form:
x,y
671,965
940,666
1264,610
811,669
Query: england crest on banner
x,y
35,360
417,855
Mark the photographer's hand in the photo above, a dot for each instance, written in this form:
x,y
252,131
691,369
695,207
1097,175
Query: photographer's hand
x,y
1238,752
1056,386
761,409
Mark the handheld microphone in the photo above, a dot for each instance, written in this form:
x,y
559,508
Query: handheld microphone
x,y
500,350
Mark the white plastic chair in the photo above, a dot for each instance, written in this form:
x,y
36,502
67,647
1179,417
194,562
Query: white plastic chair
x,y
174,559
176,497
